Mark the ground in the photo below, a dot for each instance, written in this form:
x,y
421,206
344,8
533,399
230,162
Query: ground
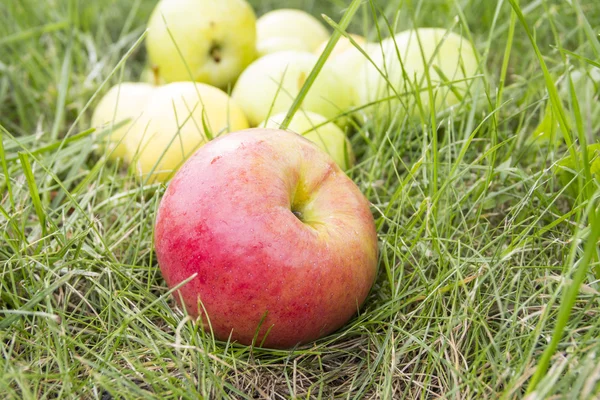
x,y
480,239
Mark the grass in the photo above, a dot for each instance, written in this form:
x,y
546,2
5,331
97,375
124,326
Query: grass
x,y
486,285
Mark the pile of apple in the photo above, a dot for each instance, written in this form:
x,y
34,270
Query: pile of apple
x,y
199,50
261,231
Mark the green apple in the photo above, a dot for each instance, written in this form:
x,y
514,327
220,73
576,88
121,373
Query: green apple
x,y
172,126
314,127
119,110
216,39
343,45
405,58
347,60
271,83
288,29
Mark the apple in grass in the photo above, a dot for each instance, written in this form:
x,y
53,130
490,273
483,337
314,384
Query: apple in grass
x,y
316,128
276,239
216,39
174,124
118,111
288,29
271,83
343,44
347,60
449,59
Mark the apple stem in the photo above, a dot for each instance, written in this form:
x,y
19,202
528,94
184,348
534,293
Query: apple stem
x,y
155,69
298,214
215,53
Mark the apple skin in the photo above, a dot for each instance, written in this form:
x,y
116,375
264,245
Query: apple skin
x,y
288,29
314,127
271,83
348,61
227,217
451,54
172,123
124,101
217,40
343,45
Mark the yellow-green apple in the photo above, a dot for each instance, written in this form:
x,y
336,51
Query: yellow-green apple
x,y
449,59
216,39
316,128
347,60
271,83
343,45
118,111
173,125
273,236
288,29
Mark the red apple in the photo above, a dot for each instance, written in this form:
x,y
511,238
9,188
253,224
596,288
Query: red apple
x,y
274,229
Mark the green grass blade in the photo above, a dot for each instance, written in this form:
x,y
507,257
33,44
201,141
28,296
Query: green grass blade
x,y
63,89
35,300
5,168
345,21
33,190
567,303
